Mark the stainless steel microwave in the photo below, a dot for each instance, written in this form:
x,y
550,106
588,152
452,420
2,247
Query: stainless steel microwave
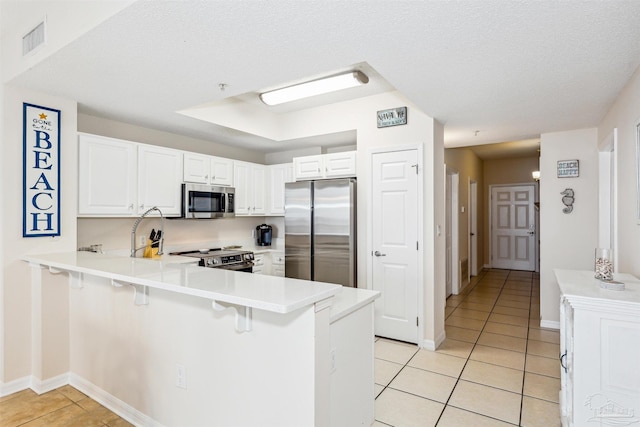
x,y
205,201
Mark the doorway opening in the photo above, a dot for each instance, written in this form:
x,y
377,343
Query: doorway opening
x,y
451,231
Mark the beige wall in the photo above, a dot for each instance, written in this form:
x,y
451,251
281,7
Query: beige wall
x,y
567,241
20,345
470,168
116,129
503,171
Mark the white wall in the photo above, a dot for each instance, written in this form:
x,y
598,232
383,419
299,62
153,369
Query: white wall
x,y
19,344
567,241
65,21
116,129
625,115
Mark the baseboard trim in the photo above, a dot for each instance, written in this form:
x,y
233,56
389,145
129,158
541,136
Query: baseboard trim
x,y
51,384
111,402
34,384
550,324
432,345
15,386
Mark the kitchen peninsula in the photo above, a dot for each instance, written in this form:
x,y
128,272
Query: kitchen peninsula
x,y
165,342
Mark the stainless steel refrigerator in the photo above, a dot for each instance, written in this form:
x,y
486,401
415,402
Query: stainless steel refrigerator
x,y
320,231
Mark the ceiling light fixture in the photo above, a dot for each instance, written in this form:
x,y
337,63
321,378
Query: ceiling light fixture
x,y
315,87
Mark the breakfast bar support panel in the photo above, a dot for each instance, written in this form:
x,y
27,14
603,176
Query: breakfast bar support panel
x,y
49,328
131,353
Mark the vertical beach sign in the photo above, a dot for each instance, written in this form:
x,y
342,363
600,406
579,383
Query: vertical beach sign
x,y
41,171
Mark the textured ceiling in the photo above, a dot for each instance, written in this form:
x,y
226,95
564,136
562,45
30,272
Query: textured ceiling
x,y
509,69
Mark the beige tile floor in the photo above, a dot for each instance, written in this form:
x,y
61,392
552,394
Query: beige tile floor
x,y
497,367
64,406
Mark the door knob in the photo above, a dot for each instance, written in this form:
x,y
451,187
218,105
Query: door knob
x,y
377,253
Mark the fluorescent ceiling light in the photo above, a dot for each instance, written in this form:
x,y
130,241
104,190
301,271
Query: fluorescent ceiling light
x,y
313,88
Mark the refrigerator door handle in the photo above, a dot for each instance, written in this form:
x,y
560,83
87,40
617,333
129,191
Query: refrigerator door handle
x,y
377,253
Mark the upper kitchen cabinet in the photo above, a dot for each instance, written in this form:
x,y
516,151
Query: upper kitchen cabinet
x,y
107,176
332,165
278,176
205,169
250,185
159,179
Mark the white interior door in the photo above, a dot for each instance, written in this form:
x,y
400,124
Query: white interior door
x,y
394,213
513,227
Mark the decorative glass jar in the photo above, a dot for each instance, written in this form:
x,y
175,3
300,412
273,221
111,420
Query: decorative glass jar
x,y
604,264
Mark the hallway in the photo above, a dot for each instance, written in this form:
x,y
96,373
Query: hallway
x,y
497,367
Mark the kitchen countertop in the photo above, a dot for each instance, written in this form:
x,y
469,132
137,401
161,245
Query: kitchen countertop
x,y
180,275
349,301
581,284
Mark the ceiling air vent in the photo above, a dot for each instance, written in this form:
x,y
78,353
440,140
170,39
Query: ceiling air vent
x,y
33,39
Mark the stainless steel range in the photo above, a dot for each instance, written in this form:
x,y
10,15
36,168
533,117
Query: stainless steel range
x,y
237,260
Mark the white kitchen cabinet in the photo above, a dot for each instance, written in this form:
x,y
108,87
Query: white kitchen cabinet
x,y
221,171
338,165
599,346
159,178
106,176
278,176
321,166
259,264
308,167
277,264
203,169
250,186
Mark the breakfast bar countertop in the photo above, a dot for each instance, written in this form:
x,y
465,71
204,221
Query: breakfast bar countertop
x,y
270,293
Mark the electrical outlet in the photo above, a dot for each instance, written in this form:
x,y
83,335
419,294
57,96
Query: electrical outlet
x,y
142,240
181,376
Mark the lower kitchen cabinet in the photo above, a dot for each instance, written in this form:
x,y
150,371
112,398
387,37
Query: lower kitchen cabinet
x,y
277,264
599,346
269,263
258,264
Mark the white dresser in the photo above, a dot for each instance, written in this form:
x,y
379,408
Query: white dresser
x,y
600,351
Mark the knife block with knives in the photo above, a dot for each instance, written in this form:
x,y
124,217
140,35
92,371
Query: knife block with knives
x,y
153,244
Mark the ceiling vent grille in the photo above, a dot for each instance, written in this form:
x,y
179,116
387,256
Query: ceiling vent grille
x,y
33,39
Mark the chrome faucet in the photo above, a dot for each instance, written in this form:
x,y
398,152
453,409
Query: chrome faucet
x,y
135,227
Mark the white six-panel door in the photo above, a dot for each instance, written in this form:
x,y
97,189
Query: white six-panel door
x,y
394,243
513,227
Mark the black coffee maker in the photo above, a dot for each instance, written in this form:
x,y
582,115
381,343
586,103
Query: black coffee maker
x,y
263,235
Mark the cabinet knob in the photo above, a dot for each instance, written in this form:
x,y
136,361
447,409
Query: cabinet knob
x,y
131,206
141,206
206,177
